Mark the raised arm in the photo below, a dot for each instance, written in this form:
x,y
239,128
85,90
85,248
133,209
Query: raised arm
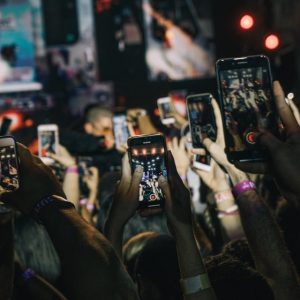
x,y
178,211
90,267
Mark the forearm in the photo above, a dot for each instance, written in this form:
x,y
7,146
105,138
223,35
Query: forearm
x,y
71,188
90,267
228,214
6,255
190,261
267,245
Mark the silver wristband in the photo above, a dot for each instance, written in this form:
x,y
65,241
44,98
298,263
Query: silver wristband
x,y
193,285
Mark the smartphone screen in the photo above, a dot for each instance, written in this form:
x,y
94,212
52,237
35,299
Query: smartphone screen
x,y
121,131
201,119
247,100
9,177
166,110
47,141
150,153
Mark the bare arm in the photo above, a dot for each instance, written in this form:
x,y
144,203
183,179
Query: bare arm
x,y
267,246
71,187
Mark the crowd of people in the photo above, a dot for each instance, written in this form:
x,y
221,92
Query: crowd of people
x,y
74,230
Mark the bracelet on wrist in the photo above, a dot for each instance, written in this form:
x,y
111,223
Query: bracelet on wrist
x,y
224,196
46,202
72,170
242,187
195,284
27,274
230,211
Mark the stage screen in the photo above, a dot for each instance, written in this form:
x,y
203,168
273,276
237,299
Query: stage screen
x,y
16,39
179,39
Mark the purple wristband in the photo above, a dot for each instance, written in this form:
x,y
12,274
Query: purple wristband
x,y
73,169
242,187
28,274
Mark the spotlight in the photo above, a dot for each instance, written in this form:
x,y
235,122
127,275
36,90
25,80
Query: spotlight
x,y
272,42
246,22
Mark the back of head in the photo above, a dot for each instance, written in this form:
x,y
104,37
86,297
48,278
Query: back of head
x,y
288,218
231,279
134,247
94,112
239,250
157,268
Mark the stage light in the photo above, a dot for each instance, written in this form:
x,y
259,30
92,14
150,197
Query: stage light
x,y
272,42
246,22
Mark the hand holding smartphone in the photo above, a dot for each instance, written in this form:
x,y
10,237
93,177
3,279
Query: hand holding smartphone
x,y
9,165
247,104
166,110
149,151
48,142
121,131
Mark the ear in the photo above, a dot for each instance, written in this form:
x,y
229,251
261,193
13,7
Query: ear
x,y
88,128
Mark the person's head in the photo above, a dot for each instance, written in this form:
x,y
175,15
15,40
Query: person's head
x,y
239,250
157,271
34,248
287,216
134,247
231,279
98,122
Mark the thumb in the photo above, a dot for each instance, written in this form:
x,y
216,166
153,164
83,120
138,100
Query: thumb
x,y
135,181
164,185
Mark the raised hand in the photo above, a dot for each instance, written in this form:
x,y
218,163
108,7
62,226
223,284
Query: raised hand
x,y
63,157
37,181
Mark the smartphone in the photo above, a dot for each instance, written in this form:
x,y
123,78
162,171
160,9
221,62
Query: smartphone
x,y
247,103
121,131
9,166
201,118
202,162
166,110
47,142
149,151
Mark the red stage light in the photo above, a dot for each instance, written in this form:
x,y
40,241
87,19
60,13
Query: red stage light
x,y
272,42
246,22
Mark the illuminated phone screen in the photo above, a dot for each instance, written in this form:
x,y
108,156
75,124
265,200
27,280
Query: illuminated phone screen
x,y
152,159
47,142
9,178
247,103
201,118
121,132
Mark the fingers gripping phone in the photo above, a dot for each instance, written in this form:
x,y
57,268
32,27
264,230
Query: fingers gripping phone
x,y
247,105
47,142
9,166
121,131
149,151
201,118
166,110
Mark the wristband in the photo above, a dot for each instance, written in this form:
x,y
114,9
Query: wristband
x,y
72,169
193,285
28,274
223,196
230,211
242,187
49,201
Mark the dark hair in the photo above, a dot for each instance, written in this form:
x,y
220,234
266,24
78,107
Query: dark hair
x,y
158,264
239,250
133,248
34,248
231,279
289,221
